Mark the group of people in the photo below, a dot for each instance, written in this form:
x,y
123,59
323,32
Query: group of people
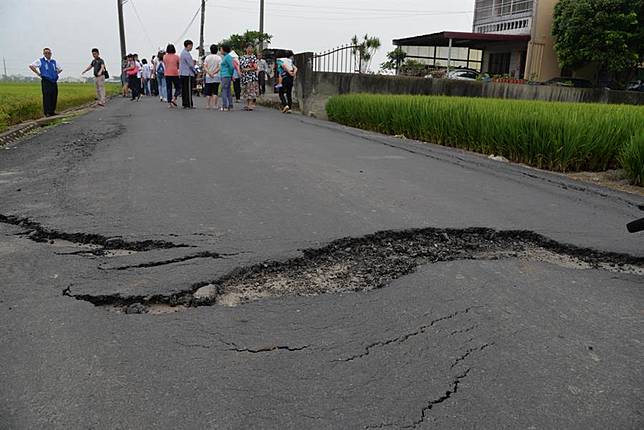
x,y
222,72
170,76
48,70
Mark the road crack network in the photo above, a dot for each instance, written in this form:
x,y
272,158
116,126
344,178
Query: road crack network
x,y
449,393
400,339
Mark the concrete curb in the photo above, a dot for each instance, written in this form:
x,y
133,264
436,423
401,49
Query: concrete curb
x,y
272,101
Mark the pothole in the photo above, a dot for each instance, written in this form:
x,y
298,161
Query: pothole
x,y
366,263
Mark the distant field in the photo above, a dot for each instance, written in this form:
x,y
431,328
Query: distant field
x,y
23,101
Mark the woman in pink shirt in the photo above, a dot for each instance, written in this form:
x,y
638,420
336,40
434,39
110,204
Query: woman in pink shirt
x,y
171,64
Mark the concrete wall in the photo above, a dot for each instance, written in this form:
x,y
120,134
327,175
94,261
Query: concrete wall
x,y
313,89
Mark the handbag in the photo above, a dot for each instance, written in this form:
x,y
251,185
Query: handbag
x,y
106,74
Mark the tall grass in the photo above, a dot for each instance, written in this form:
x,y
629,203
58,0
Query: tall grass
x,y
23,101
549,135
632,159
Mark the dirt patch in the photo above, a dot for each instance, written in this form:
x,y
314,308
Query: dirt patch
x,y
367,263
613,179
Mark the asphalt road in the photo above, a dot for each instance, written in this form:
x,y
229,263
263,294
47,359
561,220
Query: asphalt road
x,y
110,224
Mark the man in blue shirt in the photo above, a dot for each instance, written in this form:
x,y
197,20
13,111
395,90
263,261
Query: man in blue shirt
x,y
186,74
48,70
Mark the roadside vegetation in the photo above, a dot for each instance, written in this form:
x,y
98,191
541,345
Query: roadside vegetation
x,y
632,159
23,101
549,135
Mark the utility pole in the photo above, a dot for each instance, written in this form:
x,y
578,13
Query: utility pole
x,y
261,22
4,63
203,20
119,6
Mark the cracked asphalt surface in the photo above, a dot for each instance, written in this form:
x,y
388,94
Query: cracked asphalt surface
x,y
404,329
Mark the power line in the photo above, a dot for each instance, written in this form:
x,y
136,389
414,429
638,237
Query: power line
x,y
333,9
136,12
344,17
189,24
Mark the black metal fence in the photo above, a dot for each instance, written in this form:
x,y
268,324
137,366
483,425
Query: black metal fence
x,y
343,59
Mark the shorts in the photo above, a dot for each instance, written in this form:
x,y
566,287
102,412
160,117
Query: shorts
x,y
211,88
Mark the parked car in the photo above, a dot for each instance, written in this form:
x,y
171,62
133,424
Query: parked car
x,y
463,74
635,86
569,82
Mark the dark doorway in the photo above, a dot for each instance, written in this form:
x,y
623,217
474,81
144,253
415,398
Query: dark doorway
x,y
500,64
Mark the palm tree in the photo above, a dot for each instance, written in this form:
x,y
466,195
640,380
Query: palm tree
x,y
364,50
397,57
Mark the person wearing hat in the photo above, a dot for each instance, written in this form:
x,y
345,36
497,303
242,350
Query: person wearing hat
x,y
48,70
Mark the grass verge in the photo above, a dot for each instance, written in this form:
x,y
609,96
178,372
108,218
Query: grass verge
x,y
548,135
23,101
632,159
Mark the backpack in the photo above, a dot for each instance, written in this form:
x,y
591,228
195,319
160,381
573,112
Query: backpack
x,y
160,70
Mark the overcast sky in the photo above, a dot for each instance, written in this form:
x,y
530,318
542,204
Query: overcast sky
x,y
72,27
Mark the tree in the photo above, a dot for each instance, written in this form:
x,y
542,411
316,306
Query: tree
x,y
413,68
609,33
238,42
395,59
364,50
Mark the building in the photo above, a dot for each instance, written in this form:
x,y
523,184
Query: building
x,y
509,37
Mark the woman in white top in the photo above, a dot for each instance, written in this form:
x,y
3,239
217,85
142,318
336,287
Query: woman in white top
x,y
211,65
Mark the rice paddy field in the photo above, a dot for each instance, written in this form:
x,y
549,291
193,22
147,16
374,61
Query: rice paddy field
x,y
23,101
565,137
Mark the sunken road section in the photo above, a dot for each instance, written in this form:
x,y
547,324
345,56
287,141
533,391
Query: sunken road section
x,y
363,264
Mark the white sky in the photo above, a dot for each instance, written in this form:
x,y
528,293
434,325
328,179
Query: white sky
x,y
72,27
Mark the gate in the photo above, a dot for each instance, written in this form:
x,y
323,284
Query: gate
x,y
343,59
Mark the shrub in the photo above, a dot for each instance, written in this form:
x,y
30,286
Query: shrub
x,y
550,135
632,159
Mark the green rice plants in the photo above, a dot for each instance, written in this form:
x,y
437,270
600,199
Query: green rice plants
x,y
548,135
21,101
632,159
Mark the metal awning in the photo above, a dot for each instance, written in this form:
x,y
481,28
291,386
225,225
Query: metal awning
x,y
461,40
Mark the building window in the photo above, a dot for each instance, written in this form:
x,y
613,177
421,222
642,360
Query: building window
x,y
491,8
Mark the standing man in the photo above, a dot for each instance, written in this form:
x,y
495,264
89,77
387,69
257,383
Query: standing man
x,y
262,73
48,70
99,76
186,74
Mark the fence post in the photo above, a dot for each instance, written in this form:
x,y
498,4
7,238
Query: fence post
x,y
304,79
